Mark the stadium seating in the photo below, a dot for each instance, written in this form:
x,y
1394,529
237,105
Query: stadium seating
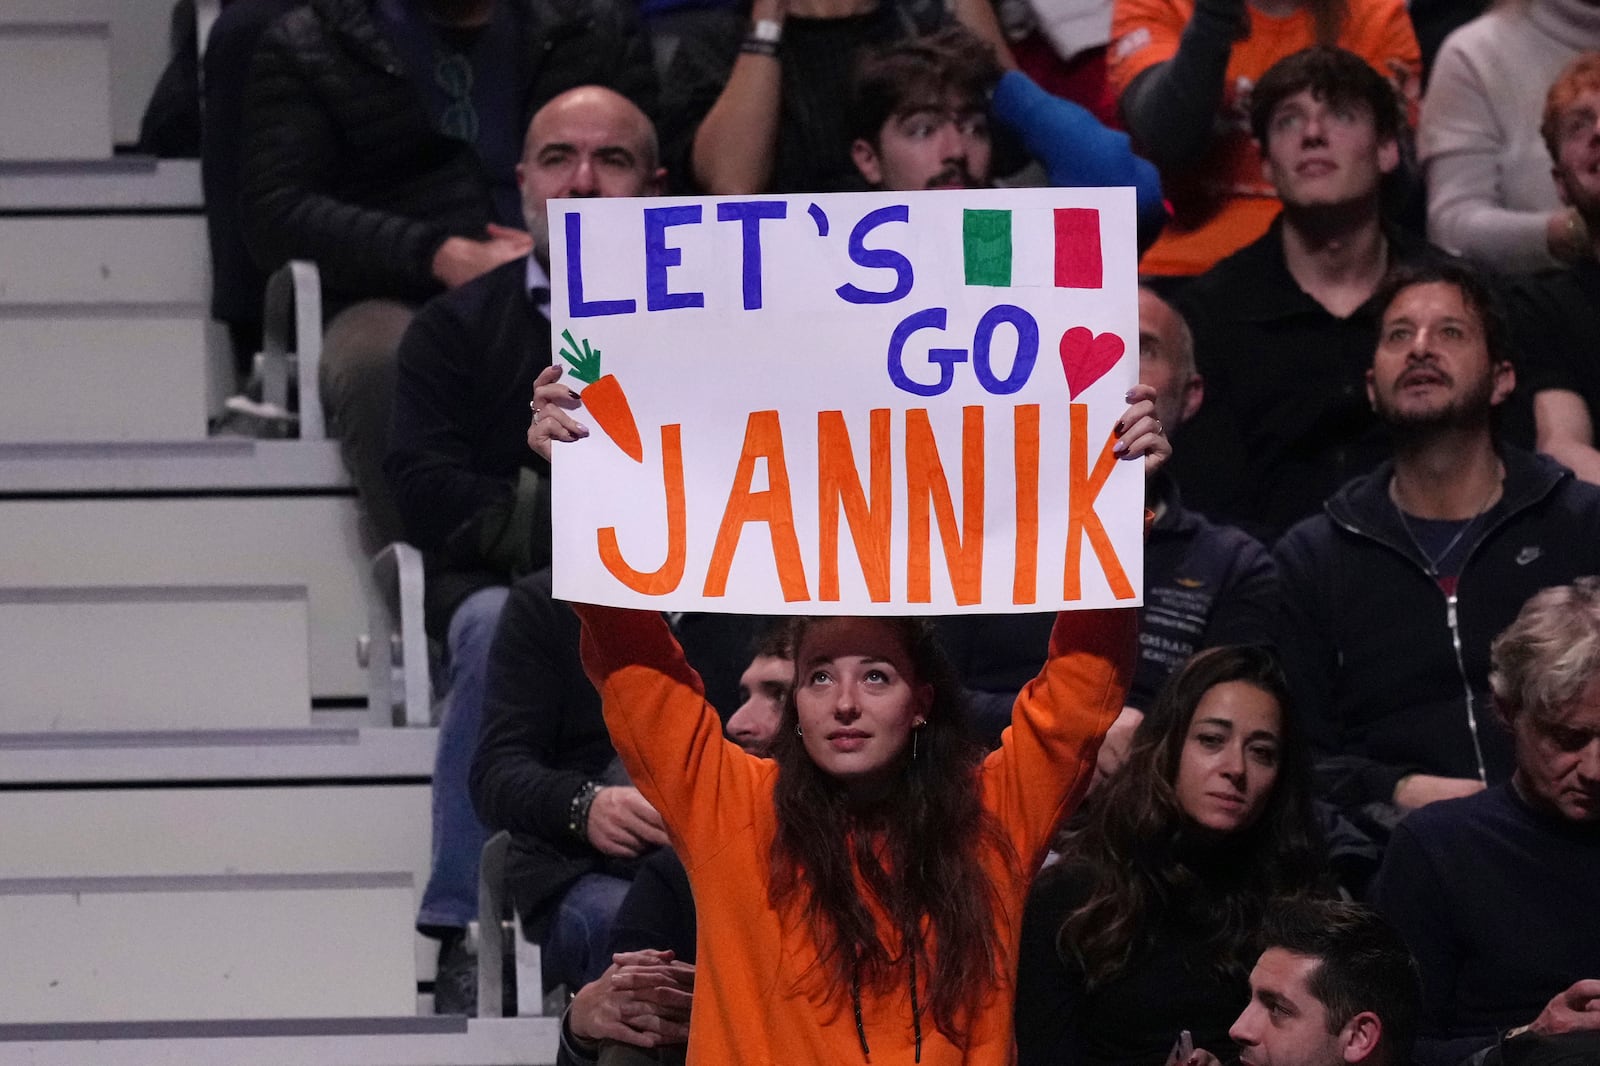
x,y
214,839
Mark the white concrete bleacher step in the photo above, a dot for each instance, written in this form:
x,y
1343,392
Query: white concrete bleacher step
x,y
55,63
268,828
154,658
80,760
161,808
222,946
104,331
215,465
205,513
309,541
121,183
442,1041
377,826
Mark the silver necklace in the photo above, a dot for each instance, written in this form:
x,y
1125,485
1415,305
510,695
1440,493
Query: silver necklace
x,y
1433,561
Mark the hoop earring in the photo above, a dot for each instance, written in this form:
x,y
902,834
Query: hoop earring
x,y
797,730
914,733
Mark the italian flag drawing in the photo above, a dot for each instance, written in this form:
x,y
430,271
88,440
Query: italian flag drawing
x,y
1006,248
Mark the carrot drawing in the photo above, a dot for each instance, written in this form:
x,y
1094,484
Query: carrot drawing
x,y
603,398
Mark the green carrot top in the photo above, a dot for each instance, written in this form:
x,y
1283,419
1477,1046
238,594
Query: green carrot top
x,y
585,367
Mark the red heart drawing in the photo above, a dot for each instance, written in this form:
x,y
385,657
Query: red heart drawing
x,y
1086,357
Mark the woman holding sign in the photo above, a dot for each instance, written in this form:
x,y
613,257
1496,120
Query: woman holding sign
x,y
860,893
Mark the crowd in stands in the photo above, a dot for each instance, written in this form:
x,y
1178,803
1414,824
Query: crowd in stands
x,y
1367,665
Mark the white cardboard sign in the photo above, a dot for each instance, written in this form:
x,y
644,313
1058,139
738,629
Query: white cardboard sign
x,y
856,403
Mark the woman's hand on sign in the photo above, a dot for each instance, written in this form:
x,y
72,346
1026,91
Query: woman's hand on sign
x,y
551,422
1139,433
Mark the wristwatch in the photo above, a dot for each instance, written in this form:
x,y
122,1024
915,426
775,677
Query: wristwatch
x,y
578,809
763,38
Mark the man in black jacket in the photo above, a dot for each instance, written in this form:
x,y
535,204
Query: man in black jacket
x,y
1391,596
380,141
1283,327
474,498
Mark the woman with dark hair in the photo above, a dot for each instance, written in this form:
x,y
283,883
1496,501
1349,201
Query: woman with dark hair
x,y
859,894
1145,928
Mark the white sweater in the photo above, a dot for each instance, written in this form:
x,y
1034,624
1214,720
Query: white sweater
x,y
1488,173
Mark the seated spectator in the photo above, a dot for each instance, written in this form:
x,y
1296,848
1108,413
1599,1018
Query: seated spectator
x,y
642,1000
1283,328
1148,924
381,140
238,285
545,770
771,113
1185,71
1496,893
1391,597
921,115
1557,313
1487,171
474,498
1334,987
1204,584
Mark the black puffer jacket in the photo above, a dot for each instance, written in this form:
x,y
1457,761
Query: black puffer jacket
x,y
342,163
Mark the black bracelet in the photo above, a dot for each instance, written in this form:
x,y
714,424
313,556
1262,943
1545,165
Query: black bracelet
x,y
578,810
756,46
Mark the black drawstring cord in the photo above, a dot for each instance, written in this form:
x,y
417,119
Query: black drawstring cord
x,y
855,1000
916,1011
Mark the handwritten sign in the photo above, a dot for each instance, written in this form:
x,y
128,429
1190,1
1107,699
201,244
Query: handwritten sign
x,y
891,403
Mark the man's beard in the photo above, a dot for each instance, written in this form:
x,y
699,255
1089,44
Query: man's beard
x,y
1464,410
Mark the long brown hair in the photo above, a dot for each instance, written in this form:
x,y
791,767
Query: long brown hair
x,y
918,853
1137,847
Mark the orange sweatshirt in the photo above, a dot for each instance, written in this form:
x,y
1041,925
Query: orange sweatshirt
x,y
751,1006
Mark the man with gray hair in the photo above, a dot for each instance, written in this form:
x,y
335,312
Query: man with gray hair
x,y
1496,893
